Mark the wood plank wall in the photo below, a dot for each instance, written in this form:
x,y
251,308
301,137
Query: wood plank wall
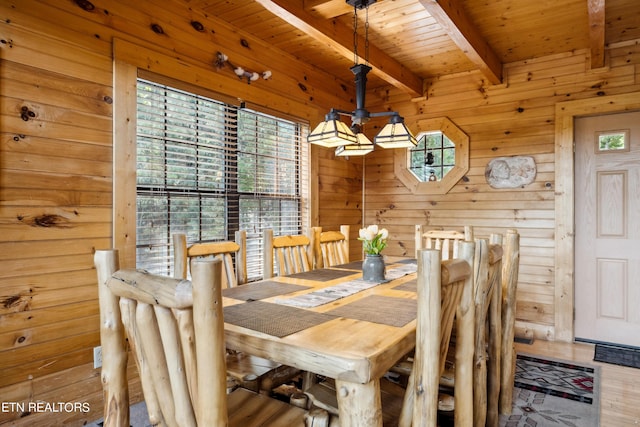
x,y
340,189
56,170
514,118
56,174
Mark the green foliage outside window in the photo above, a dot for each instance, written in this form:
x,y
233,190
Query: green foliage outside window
x,y
611,141
434,156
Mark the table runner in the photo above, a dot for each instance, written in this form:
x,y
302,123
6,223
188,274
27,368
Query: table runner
x,y
273,319
386,310
322,274
261,290
341,290
328,294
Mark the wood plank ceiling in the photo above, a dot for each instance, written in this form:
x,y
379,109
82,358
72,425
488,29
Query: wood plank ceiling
x,y
411,41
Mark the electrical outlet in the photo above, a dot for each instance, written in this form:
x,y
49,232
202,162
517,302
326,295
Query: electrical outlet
x,y
97,357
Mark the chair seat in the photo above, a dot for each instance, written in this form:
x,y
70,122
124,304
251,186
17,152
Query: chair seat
x,y
255,373
323,395
249,409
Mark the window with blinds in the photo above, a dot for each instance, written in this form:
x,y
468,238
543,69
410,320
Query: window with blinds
x,y
207,169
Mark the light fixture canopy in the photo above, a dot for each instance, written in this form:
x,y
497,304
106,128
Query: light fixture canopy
x,y
352,142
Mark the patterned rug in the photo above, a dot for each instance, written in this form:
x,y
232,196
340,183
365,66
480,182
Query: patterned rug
x,y
553,392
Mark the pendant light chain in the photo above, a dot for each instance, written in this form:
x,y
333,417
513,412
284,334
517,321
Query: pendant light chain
x,y
355,36
356,58
366,36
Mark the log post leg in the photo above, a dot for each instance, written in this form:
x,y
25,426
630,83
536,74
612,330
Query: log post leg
x,y
359,405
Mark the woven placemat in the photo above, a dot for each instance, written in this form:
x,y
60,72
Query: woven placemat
x,y
379,309
353,265
411,286
261,290
273,319
322,274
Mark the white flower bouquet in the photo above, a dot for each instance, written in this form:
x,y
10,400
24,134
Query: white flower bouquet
x,y
374,240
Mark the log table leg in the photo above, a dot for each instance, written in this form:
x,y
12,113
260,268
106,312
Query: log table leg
x,y
359,405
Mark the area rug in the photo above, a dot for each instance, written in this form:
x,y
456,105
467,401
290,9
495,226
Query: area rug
x,y
617,355
553,392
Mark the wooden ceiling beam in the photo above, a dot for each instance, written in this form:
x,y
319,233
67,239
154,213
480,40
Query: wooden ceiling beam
x,y
327,8
451,16
340,37
596,32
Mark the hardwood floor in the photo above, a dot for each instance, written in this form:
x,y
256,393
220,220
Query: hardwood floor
x,y
620,387
619,390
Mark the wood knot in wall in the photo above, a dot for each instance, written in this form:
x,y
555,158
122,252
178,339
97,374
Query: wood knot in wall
x,y
26,114
17,302
46,221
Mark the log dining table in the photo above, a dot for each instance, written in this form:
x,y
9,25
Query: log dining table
x,y
332,323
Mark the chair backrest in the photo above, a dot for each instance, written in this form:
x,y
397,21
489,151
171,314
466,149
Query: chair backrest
x,y
510,268
441,286
233,275
330,247
445,240
176,330
291,254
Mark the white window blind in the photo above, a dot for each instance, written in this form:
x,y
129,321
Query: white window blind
x,y
206,169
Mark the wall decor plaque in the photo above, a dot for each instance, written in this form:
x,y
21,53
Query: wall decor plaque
x,y
510,172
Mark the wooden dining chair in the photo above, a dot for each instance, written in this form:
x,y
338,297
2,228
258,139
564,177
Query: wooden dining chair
x,y
290,254
442,287
486,354
510,268
234,273
330,247
252,372
444,240
175,329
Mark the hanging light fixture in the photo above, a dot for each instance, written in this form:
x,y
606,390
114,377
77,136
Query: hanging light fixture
x,y
362,146
352,141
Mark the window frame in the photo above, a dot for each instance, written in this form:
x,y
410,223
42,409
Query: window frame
x,y
247,158
402,158
123,179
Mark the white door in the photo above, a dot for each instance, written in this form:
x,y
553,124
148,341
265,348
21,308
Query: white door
x,y
607,209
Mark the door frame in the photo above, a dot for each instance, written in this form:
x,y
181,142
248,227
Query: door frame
x,y
565,199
